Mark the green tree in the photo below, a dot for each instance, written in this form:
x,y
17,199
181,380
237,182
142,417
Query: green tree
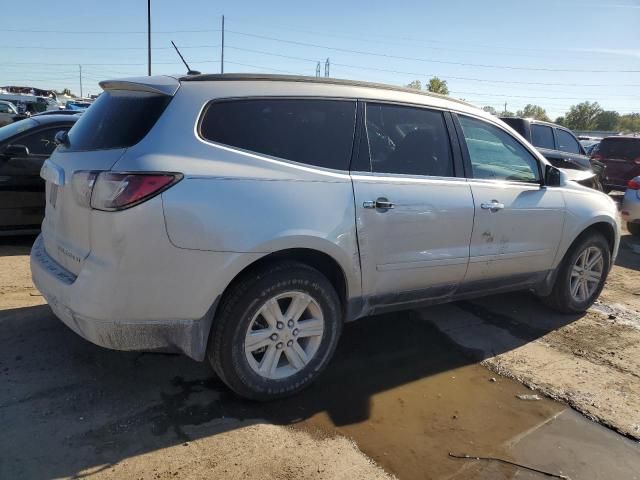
x,y
583,116
438,86
533,111
607,120
630,122
560,121
507,113
490,110
417,84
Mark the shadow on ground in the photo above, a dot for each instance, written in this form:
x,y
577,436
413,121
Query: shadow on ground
x,y
67,405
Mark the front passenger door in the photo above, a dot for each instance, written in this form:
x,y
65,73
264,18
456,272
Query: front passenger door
x,y
518,222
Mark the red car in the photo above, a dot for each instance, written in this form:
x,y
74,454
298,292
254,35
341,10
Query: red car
x,y
621,157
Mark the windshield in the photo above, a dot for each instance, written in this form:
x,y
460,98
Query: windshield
x,y
12,129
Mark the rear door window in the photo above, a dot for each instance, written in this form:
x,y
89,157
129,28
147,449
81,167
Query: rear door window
x,y
542,136
311,131
117,119
408,140
620,148
567,142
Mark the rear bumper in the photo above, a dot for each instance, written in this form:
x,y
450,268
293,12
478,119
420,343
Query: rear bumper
x,y
61,289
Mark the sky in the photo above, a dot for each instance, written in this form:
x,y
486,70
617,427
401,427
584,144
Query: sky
x,y
553,53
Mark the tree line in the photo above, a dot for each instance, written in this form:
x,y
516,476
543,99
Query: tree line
x,y
583,116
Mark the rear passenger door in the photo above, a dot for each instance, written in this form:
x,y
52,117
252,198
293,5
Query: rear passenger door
x,y
413,215
518,221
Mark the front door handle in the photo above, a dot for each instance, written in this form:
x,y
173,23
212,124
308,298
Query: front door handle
x,y
493,205
380,203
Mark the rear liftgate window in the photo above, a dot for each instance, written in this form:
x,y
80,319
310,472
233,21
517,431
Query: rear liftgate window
x,y
117,119
314,132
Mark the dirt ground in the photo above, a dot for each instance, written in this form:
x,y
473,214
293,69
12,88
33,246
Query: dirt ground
x,y
403,391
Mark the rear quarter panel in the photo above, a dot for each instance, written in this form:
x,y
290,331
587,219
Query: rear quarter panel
x,y
236,201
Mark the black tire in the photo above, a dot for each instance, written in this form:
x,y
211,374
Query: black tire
x,y
225,350
634,229
560,298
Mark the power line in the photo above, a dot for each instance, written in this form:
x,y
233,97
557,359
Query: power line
x,y
106,32
34,47
422,74
413,40
427,60
105,64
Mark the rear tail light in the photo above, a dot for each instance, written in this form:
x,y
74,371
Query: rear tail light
x,y
111,191
634,184
118,191
597,157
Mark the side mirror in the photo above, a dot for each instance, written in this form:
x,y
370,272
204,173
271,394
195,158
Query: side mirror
x,y
552,176
62,138
16,151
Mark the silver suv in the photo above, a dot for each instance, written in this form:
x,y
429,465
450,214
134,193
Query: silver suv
x,y
245,218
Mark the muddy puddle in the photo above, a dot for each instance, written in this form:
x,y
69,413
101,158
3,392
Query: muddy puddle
x,y
400,389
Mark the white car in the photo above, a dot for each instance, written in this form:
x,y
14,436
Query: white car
x,y
631,206
245,218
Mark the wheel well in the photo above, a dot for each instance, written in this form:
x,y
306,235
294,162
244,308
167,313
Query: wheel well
x,y
603,228
322,262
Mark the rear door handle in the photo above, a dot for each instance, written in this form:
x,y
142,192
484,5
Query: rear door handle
x,y
494,206
381,203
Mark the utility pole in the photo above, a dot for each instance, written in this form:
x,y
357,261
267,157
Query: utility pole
x,y
326,68
222,49
80,66
149,37
505,107
318,70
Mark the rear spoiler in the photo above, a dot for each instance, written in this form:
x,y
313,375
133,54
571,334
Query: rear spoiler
x,y
162,85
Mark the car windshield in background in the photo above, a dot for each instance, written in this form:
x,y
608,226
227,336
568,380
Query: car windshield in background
x,y
15,128
117,119
622,147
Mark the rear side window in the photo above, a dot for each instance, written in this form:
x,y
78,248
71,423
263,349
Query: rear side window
x,y
542,136
622,148
567,142
117,119
408,140
312,131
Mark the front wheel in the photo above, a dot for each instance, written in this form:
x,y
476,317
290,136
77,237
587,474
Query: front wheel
x,y
276,331
582,275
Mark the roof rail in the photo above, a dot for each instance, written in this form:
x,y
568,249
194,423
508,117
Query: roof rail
x,y
212,77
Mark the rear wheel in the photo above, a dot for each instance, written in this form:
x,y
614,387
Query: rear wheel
x,y
582,275
276,331
634,229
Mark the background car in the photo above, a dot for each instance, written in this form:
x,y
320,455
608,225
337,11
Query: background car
x,y
621,158
77,106
631,206
590,146
558,145
24,146
7,112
